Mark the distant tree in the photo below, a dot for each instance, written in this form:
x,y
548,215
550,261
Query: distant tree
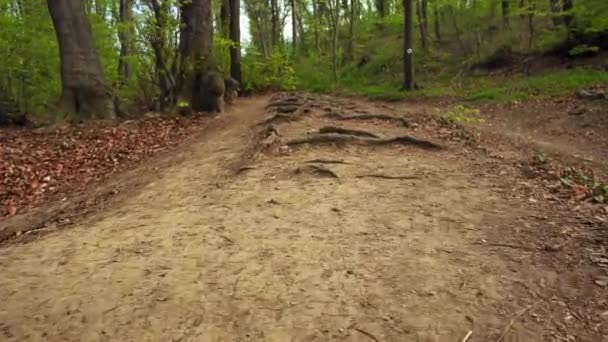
x,y
408,52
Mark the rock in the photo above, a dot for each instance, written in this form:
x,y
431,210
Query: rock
x,y
595,93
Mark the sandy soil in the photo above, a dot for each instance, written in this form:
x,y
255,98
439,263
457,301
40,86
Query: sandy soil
x,y
211,250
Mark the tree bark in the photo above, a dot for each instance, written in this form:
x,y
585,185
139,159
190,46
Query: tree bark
x,y
567,6
85,93
225,18
125,36
408,52
196,46
166,79
235,37
437,23
505,13
421,25
294,27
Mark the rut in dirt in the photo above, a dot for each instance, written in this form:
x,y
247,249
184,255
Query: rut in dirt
x,y
305,218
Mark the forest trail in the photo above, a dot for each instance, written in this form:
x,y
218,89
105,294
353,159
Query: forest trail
x,y
346,242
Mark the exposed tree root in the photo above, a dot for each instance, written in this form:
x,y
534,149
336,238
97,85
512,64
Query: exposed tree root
x,y
369,116
326,161
341,130
318,170
336,138
387,176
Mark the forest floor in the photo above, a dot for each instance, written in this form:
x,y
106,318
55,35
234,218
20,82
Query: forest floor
x,y
311,218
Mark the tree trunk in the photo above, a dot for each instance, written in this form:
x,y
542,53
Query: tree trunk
x,y
437,23
166,80
235,37
421,25
351,31
505,13
408,52
274,23
196,46
555,12
567,6
335,17
294,27
380,7
85,93
225,18
315,16
425,17
125,36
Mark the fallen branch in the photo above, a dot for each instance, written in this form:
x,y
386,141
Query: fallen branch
x,y
318,170
341,130
324,138
466,338
519,314
369,116
387,176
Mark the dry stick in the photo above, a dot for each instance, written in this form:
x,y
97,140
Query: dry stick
x,y
508,327
349,131
366,333
466,338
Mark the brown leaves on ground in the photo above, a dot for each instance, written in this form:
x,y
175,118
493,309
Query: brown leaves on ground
x,y
37,166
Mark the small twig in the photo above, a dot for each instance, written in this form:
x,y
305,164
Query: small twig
x,y
365,333
227,239
466,338
387,176
519,314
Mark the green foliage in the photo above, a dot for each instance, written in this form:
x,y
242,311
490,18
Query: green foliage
x,y
460,114
583,49
598,190
273,73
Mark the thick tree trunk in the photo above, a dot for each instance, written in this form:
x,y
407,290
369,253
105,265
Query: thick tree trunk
x,y
196,46
85,93
166,79
225,18
421,25
408,52
125,36
505,13
235,37
380,7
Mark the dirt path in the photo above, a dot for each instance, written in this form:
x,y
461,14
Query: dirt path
x,y
270,254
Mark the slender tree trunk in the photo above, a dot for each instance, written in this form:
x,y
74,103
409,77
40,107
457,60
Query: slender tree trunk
x,y
274,22
85,93
235,37
380,7
351,31
437,23
166,80
196,52
294,27
505,13
408,52
531,32
425,17
301,33
421,25
335,31
125,36
225,18
315,21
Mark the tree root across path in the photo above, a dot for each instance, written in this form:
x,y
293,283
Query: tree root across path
x,y
341,130
337,138
318,170
369,116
